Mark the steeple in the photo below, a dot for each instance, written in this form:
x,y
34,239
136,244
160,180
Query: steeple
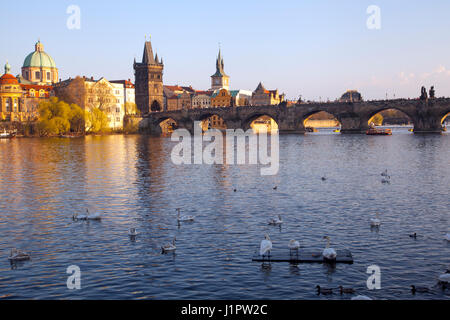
x,y
219,65
7,68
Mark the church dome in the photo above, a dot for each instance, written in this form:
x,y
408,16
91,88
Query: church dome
x,y
39,58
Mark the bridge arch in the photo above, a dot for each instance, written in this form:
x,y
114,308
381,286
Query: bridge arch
x,y
211,120
320,119
166,125
260,116
390,115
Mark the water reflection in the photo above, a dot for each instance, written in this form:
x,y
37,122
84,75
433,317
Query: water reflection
x,y
133,182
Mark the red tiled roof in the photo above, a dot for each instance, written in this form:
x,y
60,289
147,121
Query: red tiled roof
x,y
8,79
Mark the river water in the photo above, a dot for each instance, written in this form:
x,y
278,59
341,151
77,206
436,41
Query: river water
x,y
132,181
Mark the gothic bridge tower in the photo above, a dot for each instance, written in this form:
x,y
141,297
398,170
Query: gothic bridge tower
x,y
149,82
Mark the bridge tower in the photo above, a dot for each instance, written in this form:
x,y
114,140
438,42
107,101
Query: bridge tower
x,y
149,82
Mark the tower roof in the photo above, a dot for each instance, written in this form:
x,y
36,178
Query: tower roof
x,y
219,66
149,57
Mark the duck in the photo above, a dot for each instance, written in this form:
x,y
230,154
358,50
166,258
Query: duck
x,y
387,180
266,246
385,173
375,222
275,188
276,221
414,235
324,291
18,255
324,178
360,297
447,237
346,290
294,245
133,232
169,247
329,254
415,289
181,218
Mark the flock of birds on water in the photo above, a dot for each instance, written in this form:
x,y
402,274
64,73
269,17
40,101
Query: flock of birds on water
x,y
329,254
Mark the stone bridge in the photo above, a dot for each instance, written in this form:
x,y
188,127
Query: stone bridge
x,y
426,115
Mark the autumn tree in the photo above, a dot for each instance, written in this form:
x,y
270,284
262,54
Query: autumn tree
x,y
58,117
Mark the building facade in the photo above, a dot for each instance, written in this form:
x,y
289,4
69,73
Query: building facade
x,y
11,104
263,97
149,82
201,99
129,95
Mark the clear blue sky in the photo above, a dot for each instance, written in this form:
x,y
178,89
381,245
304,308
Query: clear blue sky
x,y
313,48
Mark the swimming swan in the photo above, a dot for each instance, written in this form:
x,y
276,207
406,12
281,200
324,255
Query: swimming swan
x,y
181,218
170,247
276,221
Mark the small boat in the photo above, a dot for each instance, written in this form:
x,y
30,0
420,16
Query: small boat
x,y
337,131
379,132
6,135
311,129
18,255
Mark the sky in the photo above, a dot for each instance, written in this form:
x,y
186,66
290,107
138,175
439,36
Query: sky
x,y
316,49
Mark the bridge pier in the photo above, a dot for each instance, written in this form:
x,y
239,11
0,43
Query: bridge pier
x,y
352,124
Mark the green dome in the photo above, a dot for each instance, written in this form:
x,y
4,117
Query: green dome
x,y
39,59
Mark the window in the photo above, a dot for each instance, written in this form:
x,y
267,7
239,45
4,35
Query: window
x,y
41,93
117,119
117,100
117,110
117,92
49,76
38,75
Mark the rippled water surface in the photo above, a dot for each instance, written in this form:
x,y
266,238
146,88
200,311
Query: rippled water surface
x,y
133,182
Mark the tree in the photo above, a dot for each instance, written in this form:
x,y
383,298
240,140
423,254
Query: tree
x,y
73,93
96,121
131,108
377,119
58,117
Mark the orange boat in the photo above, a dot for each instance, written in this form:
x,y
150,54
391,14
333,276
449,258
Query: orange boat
x,y
379,132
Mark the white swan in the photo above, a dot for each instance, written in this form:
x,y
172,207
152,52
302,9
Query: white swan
x,y
444,278
266,246
447,237
276,221
87,216
181,218
375,222
329,253
18,255
361,298
133,232
170,247
294,245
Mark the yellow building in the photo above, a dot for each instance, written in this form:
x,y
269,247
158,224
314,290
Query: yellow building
x,y
263,97
10,97
221,98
